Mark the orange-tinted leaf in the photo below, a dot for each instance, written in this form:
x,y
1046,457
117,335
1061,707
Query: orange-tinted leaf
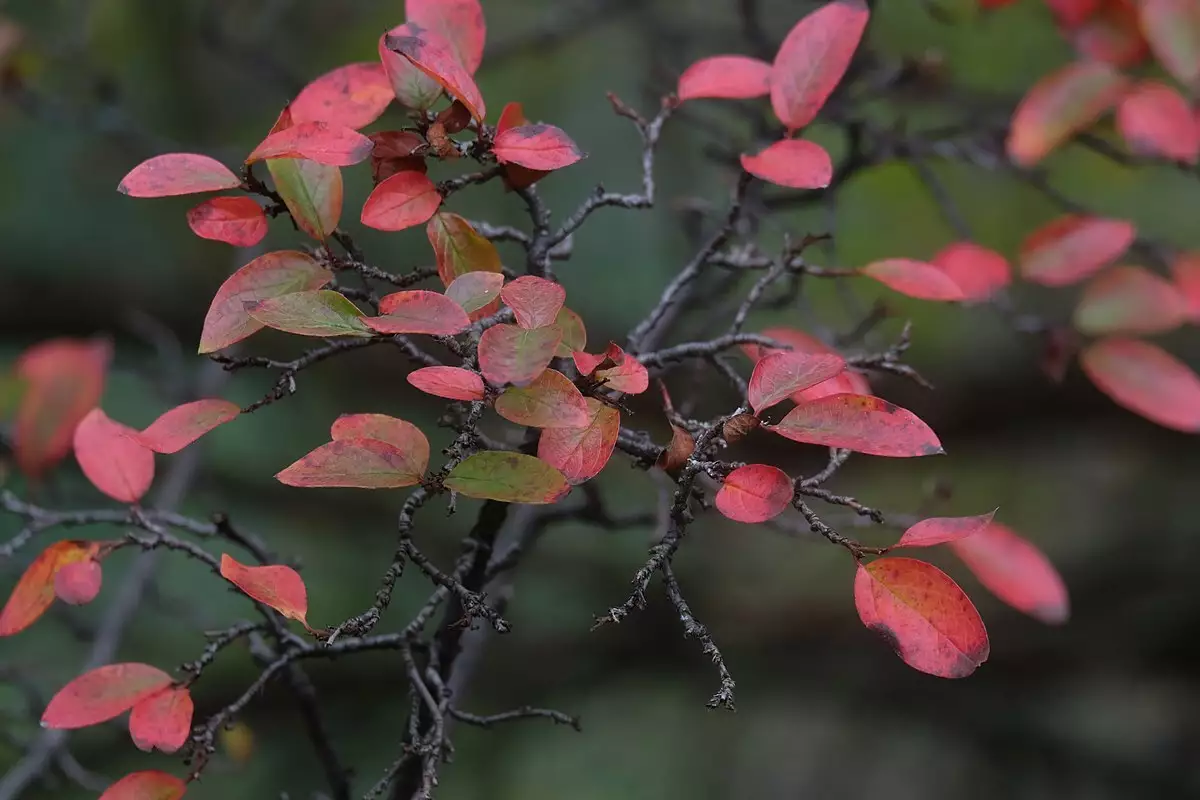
x,y
1016,572
354,95
754,493
276,586
538,146
413,88
475,290
458,248
1146,380
939,530
508,477
1072,247
511,354
402,201
34,592
915,279
162,720
148,785
978,271
177,173
357,464
1186,269
102,694
460,22
112,458
419,311
795,163
1155,120
813,58
312,193
271,275
731,77
318,313
453,383
1173,29
78,583
1059,106
184,424
923,615
580,453
1129,300
628,375
238,221
863,424
436,57
322,142
535,301
574,332
396,432
550,401
779,375
64,380
848,382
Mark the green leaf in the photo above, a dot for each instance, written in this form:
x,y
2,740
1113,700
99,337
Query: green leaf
x,y
319,313
508,477
312,193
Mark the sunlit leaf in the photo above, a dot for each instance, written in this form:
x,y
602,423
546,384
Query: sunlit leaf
x,y
1060,105
147,785
162,720
177,173
460,22
1146,380
915,279
535,301
731,77
940,530
1129,300
34,592
795,163
1156,120
112,458
184,424
276,586
537,146
79,582
402,201
978,271
238,221
862,424
419,311
923,614
813,58
354,95
1016,572
356,464
437,58
550,401
508,477
779,375
453,383
512,354
1072,247
754,493
102,694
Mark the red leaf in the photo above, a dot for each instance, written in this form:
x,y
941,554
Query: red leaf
x,y
396,432
537,146
357,464
1059,106
1129,300
335,145
939,530
402,201
780,375
628,375
507,477
474,291
550,401
1016,572
162,720
848,382
1173,29
177,173
1112,35
511,116
453,383
78,583
64,380
1186,269
580,453
754,493
112,458
795,163
1155,120
184,424
436,57
1073,13
1146,380
729,77
813,58
863,424
354,95
535,301
419,311
271,275
459,22
276,586
510,354
1072,247
238,221
978,271
923,614
459,249
148,785
35,591
915,279
102,694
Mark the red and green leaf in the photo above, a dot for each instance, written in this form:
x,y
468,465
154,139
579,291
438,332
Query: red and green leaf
x,y
580,453
419,311
813,58
318,313
535,301
1129,300
1146,380
178,173
727,77
436,57
412,87
859,423
507,477
1073,247
616,368
276,586
1016,571
396,432
474,291
102,694
35,591
512,354
356,464
550,401
794,163
1059,106
574,332
112,458
452,383
402,201
184,424
1173,29
312,193
754,493
458,248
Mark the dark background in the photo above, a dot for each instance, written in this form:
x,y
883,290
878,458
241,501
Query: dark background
x,y
1106,706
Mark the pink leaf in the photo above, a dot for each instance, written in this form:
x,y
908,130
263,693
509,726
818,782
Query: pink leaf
x,y
473,291
354,95
419,311
863,424
813,58
102,694
535,301
335,145
795,163
616,368
276,586
436,57
402,201
238,221
754,493
147,785
1129,300
915,279
1016,572
580,453
78,583
177,173
1072,247
1156,120
453,383
1146,380
356,464
184,424
730,77
779,375
1060,105
939,530
978,271
848,382
1186,270
538,146
112,458
380,427
460,22
1173,29
163,720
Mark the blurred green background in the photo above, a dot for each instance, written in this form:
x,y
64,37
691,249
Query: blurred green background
x,y
1103,707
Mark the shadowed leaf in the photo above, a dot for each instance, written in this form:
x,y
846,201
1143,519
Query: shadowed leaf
x,y
625,373
412,87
